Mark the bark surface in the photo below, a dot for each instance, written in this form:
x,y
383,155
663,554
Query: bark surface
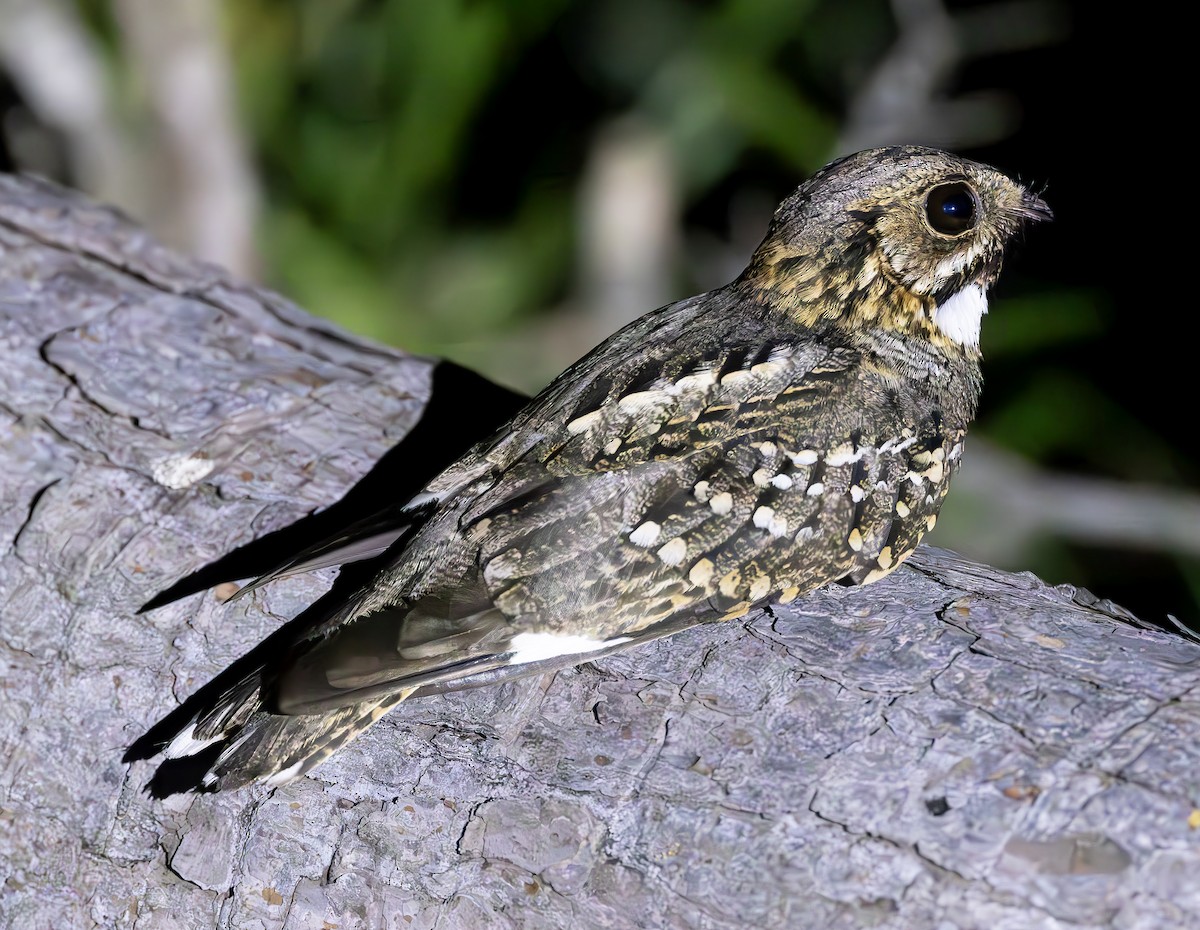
x,y
952,747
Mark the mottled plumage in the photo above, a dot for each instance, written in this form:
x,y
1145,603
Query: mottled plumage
x,y
796,427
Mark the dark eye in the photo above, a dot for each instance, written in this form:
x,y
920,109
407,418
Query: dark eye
x,y
951,208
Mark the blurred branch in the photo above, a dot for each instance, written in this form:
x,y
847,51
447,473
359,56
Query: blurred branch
x,y
1016,501
203,195
630,223
58,69
177,52
905,98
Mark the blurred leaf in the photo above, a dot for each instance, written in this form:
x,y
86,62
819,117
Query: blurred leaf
x,y
1059,413
772,112
489,278
760,26
842,41
1023,325
325,277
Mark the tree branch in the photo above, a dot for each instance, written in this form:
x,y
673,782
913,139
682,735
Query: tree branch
x,y
952,746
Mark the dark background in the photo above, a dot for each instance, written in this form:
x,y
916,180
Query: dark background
x,y
505,183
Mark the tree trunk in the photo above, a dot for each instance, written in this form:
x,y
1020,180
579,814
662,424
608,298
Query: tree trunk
x,y
952,747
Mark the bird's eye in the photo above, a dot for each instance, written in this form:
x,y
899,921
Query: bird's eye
x,y
951,208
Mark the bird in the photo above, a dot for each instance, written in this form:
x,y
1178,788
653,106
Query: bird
x,y
795,428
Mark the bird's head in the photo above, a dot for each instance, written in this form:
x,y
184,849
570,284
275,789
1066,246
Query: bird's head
x,y
905,239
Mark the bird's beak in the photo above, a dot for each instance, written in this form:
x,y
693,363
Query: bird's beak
x,y
1033,208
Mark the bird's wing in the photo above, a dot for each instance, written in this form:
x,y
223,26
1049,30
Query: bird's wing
x,y
761,474
363,539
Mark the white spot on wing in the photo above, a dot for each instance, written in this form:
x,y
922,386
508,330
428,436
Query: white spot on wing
x,y
959,317
893,445
783,482
283,776
642,401
673,552
537,647
699,381
583,423
803,457
844,455
766,518
721,503
645,535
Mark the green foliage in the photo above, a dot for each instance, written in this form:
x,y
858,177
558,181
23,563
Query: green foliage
x,y
360,115
366,119
1053,317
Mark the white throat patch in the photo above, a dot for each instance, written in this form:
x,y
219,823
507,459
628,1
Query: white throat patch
x,y
960,315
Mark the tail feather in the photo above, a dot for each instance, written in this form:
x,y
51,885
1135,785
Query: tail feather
x,y
231,698
228,733
266,747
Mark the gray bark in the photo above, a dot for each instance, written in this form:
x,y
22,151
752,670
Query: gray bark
x,y
952,747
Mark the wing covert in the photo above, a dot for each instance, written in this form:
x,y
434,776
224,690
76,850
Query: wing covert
x,y
686,503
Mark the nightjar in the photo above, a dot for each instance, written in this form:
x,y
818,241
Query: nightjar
x,y
796,427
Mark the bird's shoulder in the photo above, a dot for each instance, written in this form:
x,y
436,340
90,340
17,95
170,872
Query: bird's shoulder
x,y
682,380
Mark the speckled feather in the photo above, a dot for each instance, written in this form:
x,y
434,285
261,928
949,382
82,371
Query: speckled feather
x,y
797,427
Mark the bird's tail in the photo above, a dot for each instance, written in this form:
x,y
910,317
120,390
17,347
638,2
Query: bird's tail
x,y
235,741
229,733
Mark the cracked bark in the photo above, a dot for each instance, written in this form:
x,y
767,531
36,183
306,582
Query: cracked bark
x,y
954,746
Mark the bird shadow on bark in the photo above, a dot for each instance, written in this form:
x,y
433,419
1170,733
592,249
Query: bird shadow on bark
x,y
463,408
